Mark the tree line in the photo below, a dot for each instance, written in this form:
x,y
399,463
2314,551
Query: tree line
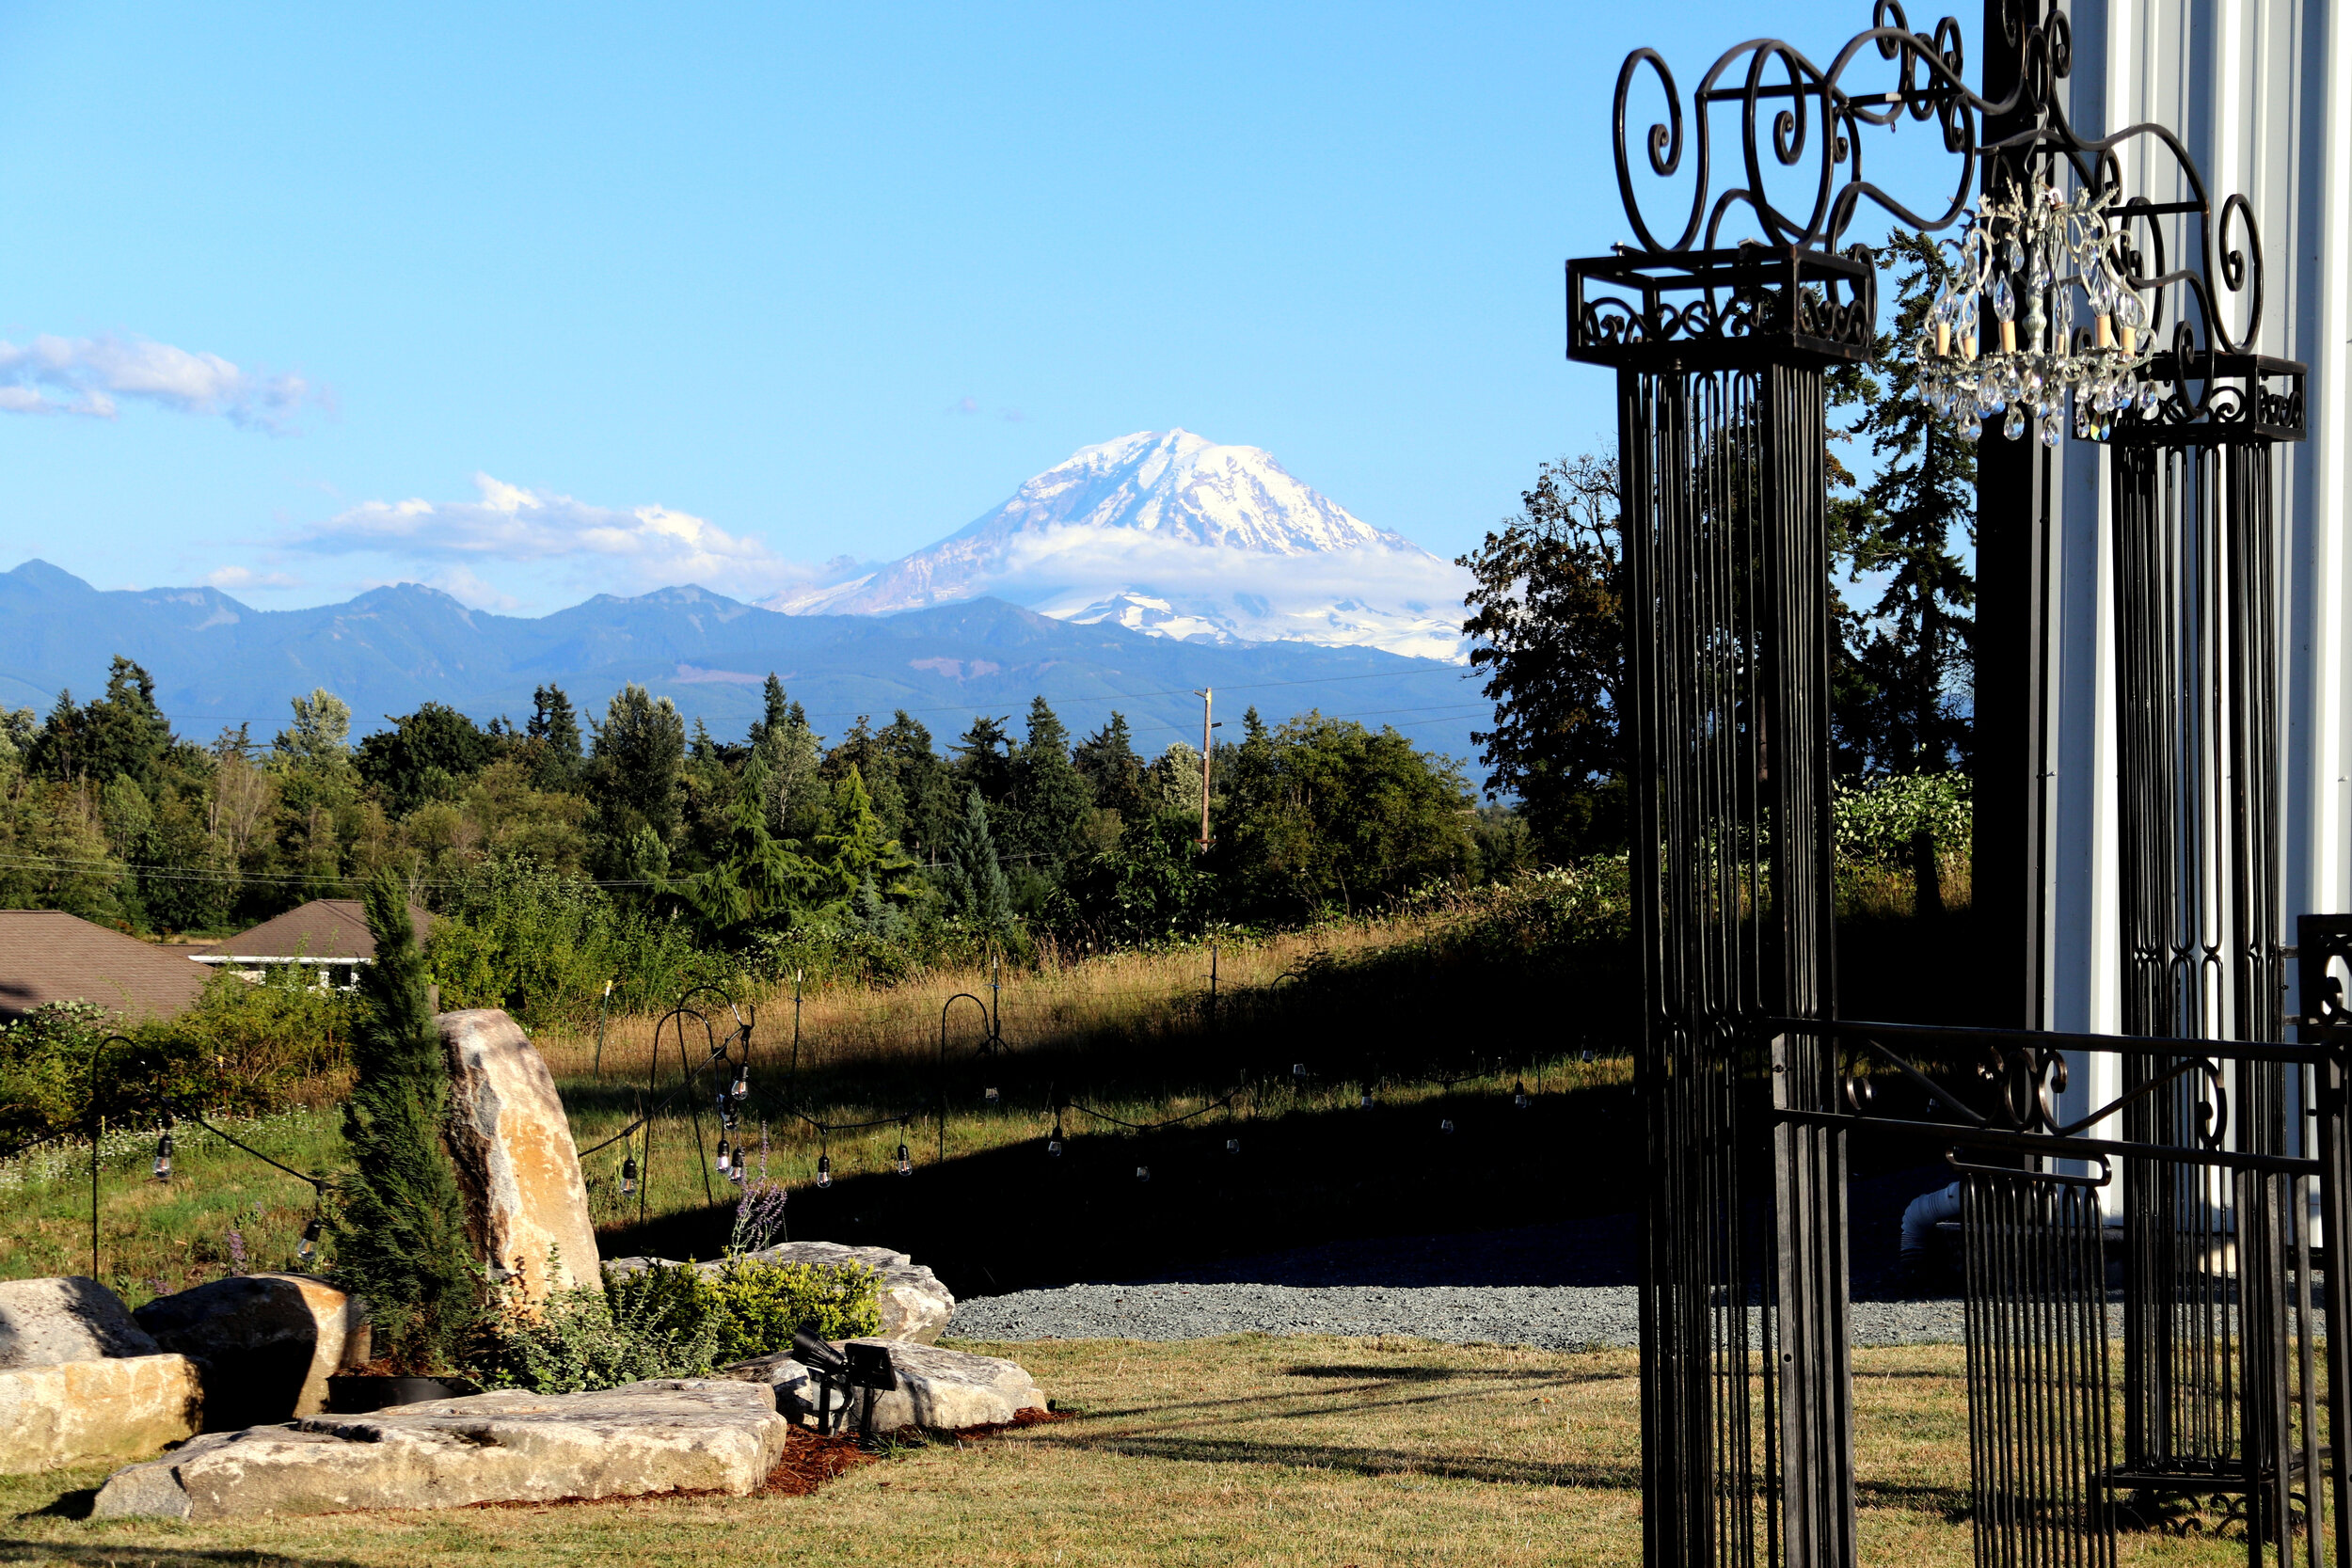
x,y
106,812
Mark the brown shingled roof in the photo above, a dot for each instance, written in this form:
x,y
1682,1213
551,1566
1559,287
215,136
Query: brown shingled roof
x,y
49,955
322,928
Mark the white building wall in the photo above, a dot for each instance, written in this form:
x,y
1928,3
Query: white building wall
x,y
2261,94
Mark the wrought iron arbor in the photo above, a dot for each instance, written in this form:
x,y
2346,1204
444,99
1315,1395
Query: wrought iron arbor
x,y
2228,1141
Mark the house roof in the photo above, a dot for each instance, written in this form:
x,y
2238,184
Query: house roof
x,y
49,955
322,928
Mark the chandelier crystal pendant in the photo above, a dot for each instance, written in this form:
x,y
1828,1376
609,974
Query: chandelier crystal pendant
x,y
2025,258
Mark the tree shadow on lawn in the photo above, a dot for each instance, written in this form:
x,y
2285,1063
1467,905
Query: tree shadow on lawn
x,y
1351,1459
119,1553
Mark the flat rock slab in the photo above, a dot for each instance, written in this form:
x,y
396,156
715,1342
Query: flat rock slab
x,y
74,1411
697,1434
46,1322
915,1304
267,1343
515,1160
940,1390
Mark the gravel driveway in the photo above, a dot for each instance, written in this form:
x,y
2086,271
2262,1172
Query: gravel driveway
x,y
1554,1317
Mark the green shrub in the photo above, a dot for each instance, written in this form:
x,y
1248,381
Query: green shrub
x,y
637,1327
1878,818
757,1305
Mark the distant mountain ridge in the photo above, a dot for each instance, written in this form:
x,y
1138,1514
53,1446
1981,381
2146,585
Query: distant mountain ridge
x,y
218,661
1170,534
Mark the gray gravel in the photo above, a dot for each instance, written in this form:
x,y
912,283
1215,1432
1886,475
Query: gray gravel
x,y
1556,1317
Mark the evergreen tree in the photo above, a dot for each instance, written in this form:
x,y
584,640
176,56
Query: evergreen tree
x,y
977,891
1914,647
400,1228
754,877
1050,797
795,760
430,754
638,756
983,760
858,850
925,784
122,734
553,736
1106,760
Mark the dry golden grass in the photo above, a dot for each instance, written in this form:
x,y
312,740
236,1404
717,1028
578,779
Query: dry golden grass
x,y
1295,1451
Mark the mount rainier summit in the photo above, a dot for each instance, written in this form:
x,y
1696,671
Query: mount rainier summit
x,y
1172,535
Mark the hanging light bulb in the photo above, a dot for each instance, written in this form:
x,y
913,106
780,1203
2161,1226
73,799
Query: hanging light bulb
x,y
163,1156
309,1248
1053,1144
906,1161
1446,1125
824,1170
990,1096
1232,1146
1588,1053
741,1087
1298,1070
629,1176
1143,1173
1365,1103
725,1161
1518,1096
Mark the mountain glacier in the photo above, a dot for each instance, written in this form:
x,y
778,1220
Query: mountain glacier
x,y
1171,534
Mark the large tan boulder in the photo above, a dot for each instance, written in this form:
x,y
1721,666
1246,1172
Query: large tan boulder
x,y
74,1411
941,1390
515,1160
267,1343
45,1322
700,1434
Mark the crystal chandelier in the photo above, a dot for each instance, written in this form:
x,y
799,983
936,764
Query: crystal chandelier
x,y
2025,257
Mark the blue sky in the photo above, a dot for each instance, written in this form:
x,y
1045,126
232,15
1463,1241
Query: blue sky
x,y
634,296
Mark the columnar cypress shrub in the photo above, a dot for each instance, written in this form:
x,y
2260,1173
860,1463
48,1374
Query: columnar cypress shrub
x,y
400,1234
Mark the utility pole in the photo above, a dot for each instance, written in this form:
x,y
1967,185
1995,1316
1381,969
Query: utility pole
x,y
1205,728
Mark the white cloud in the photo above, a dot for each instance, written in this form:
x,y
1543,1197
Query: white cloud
x,y
85,375
246,577
640,549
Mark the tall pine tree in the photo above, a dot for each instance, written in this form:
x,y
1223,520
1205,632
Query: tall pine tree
x,y
978,893
1050,797
400,1227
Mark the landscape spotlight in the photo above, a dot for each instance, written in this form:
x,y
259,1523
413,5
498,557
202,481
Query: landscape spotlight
x,y
163,1156
824,1170
309,1248
629,1176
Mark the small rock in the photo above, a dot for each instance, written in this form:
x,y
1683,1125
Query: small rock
x,y
74,1411
45,1322
515,1160
941,1390
267,1343
915,1304
698,1434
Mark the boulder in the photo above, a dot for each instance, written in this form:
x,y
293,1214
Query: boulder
x,y
45,1322
699,1434
266,1343
74,1411
914,1303
941,1390
515,1160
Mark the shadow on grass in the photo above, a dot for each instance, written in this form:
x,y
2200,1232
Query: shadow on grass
x,y
1354,1460
115,1554
1374,1373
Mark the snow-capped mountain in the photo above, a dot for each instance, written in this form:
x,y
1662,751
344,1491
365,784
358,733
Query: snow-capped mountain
x,y
1172,535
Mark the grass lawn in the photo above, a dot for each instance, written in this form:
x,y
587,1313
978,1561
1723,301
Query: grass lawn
x,y
1251,1449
